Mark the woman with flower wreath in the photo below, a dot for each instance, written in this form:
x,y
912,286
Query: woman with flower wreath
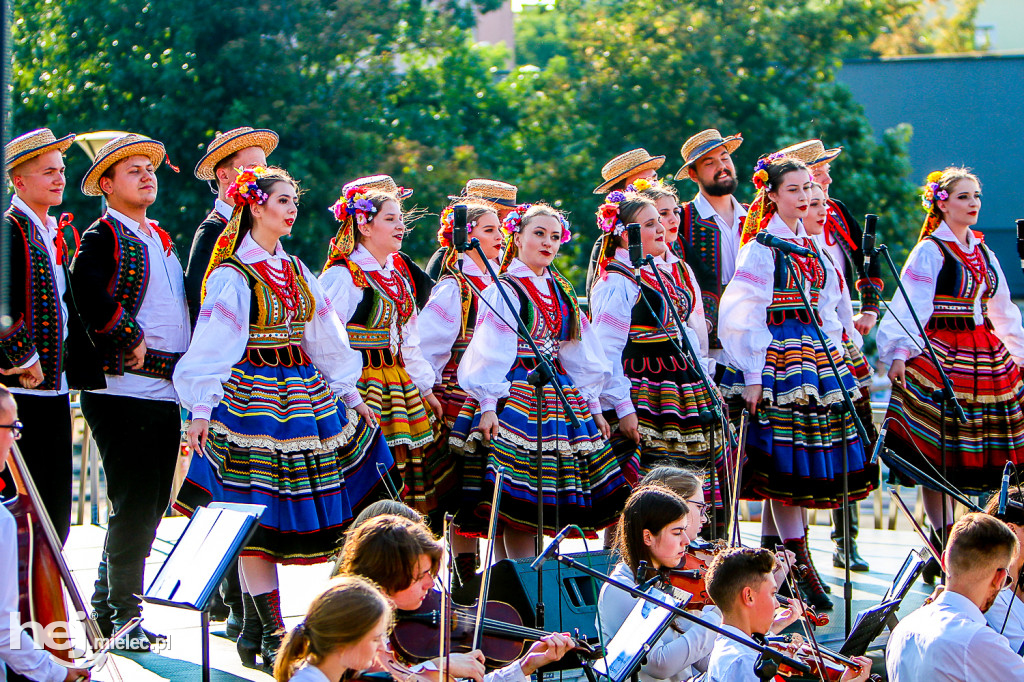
x,y
959,292
583,484
276,419
655,395
447,322
372,287
780,372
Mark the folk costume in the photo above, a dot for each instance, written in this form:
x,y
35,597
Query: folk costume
x,y
204,241
377,303
130,288
639,336
709,244
47,330
960,295
583,483
500,196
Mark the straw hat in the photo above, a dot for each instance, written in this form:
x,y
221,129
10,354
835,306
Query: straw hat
x,y
495,194
811,152
381,183
622,166
226,144
702,143
31,145
115,150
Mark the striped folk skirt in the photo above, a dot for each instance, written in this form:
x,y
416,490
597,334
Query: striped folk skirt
x,y
795,441
861,371
987,383
581,480
282,439
427,474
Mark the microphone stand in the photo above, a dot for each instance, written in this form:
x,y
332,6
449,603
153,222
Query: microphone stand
x,y
539,377
766,652
943,396
848,402
717,408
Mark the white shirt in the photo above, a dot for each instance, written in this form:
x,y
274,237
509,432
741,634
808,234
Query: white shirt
x,y
163,316
612,300
48,235
441,318
949,640
492,352
919,276
513,672
222,333
846,302
730,233
730,660
225,210
346,296
309,673
742,317
675,655
27,660
995,616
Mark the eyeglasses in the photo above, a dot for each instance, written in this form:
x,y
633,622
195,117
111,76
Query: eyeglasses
x,y
703,507
1008,580
15,428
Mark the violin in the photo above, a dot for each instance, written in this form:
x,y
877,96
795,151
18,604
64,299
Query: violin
x,y
415,635
815,619
825,664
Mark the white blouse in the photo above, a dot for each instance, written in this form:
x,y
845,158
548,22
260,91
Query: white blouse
x,y
492,352
919,276
222,333
846,302
611,307
742,316
346,296
441,318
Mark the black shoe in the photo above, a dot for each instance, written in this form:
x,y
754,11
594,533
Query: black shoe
x,y
135,639
857,562
218,610
247,644
103,623
268,606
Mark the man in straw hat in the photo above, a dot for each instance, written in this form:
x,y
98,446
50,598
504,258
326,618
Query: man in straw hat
x,y
500,196
239,148
131,291
842,240
618,174
709,232
40,353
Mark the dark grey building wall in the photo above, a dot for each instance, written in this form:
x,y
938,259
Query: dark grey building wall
x,y
964,110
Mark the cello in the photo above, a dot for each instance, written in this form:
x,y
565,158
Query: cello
x,y
42,570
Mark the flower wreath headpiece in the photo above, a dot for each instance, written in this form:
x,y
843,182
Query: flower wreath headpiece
x,y
244,191
354,203
931,191
608,214
513,223
641,184
761,208
761,169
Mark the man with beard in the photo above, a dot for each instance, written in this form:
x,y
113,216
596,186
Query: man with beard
x,y
709,236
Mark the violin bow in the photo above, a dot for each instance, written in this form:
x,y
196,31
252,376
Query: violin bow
x,y
92,629
902,506
808,630
389,485
734,492
485,578
446,606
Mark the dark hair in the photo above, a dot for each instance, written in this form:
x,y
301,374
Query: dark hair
x,y
733,569
1012,514
386,549
779,168
341,615
378,508
978,541
683,482
271,177
649,508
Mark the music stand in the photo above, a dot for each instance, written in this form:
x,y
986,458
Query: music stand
x,y
869,625
209,546
905,577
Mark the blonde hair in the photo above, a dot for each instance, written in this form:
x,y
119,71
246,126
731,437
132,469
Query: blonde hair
x,y
342,615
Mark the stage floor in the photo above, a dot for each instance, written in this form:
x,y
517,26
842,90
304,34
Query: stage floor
x,y
885,550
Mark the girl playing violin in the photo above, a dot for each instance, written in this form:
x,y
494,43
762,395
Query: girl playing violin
x,y
740,582
403,557
345,630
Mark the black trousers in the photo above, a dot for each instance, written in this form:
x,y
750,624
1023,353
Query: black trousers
x,y
138,440
46,446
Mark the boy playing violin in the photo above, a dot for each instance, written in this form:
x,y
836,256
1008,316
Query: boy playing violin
x,y
740,581
403,556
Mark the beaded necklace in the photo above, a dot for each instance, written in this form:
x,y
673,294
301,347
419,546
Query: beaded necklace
x,y
973,261
281,282
394,286
549,306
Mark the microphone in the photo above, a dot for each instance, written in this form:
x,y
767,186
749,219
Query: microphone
x,y
1020,240
1004,488
867,242
636,247
880,442
550,549
782,245
460,233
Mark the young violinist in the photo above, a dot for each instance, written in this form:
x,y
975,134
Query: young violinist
x,y
949,639
740,582
1006,615
403,557
26,658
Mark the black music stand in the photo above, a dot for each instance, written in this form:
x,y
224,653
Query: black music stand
x,y
868,626
209,546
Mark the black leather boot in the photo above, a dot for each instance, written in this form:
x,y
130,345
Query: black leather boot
x,y
268,606
248,642
125,583
857,562
231,591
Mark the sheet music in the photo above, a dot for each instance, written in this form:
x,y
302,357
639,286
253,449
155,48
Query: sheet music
x,y
642,625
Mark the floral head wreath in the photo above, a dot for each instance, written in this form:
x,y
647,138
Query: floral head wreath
x,y
640,185
930,193
762,208
608,214
352,208
513,223
244,191
447,228
761,170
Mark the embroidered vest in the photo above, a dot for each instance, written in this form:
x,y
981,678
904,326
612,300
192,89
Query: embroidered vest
x,y
548,338
957,284
646,336
369,330
787,302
